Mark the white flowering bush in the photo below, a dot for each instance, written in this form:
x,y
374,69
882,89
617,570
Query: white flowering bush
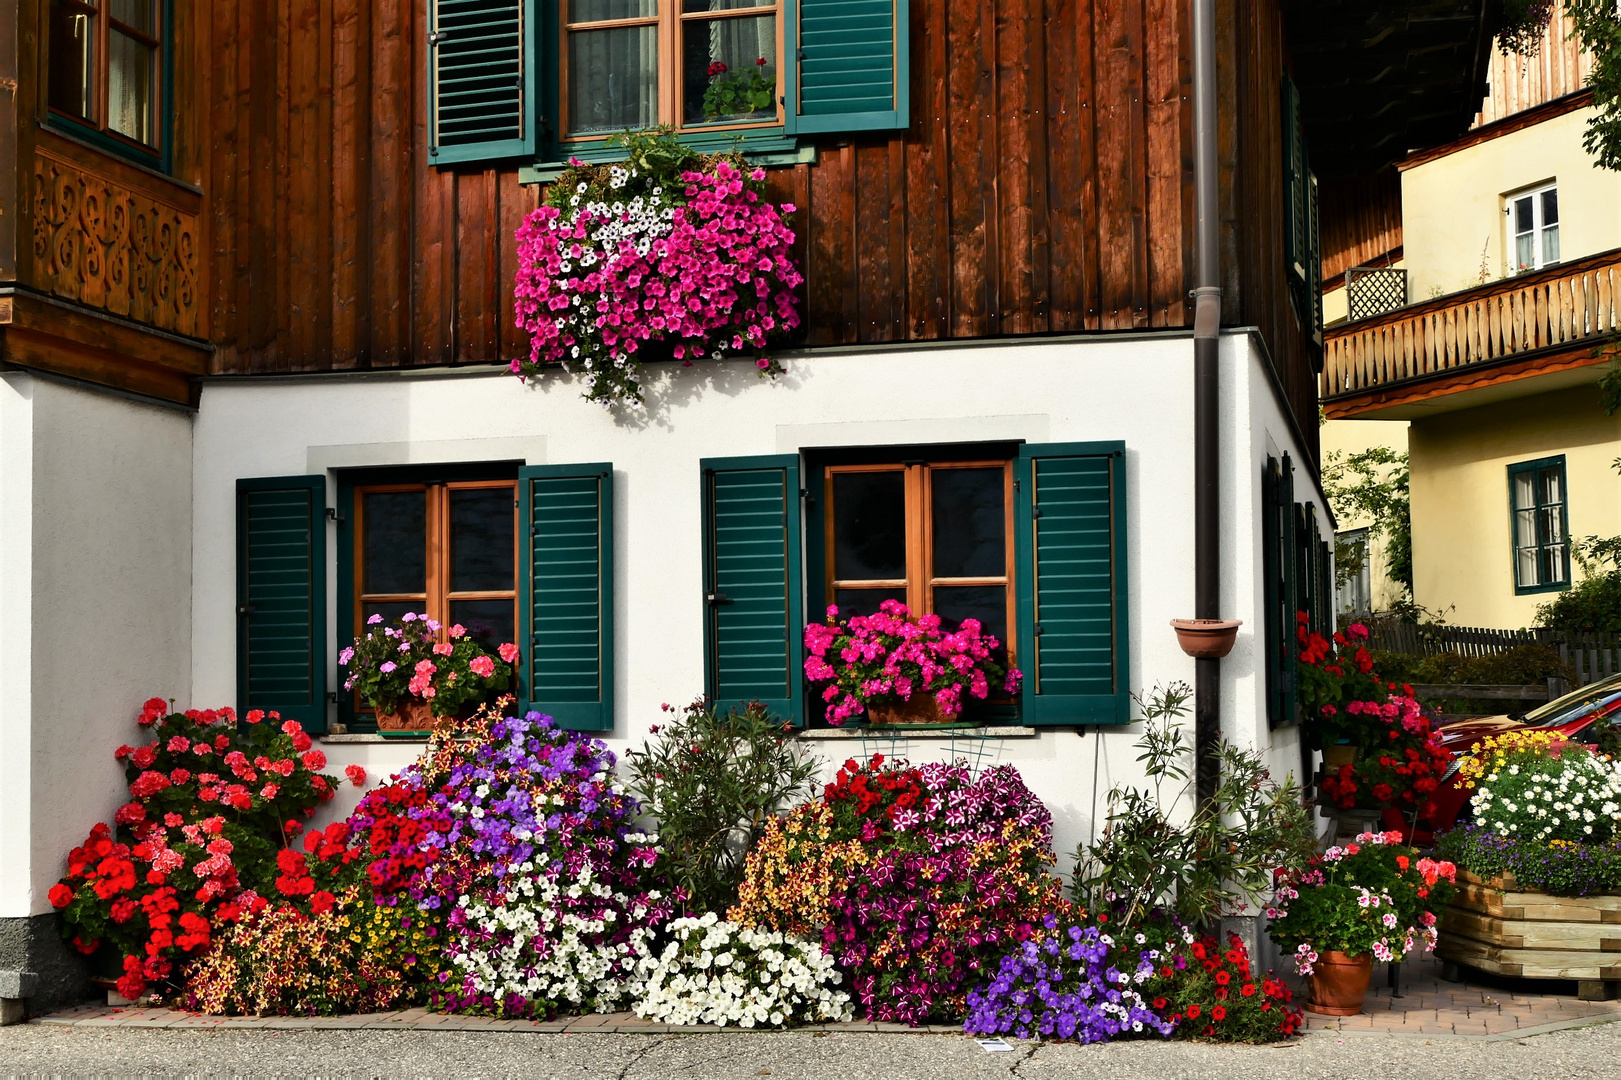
x,y
717,972
1545,792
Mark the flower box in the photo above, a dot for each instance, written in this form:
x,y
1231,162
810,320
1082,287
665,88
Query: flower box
x,y
1494,925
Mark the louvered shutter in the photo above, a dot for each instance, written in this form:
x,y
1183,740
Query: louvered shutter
x,y
281,597
565,590
1314,275
482,80
1296,215
1279,589
1073,620
754,620
849,68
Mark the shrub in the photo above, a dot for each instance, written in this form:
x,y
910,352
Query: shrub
x,y
1592,605
1217,996
713,780
1539,786
1401,762
1373,895
915,878
1153,855
717,972
212,803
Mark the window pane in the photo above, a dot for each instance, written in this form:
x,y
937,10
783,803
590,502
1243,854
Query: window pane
x,y
869,526
1553,564
1553,525
1525,492
729,69
138,15
724,5
987,603
1523,215
613,79
864,601
1525,253
394,544
130,87
1551,486
602,10
1525,528
1550,207
1550,245
488,622
970,522
391,609
481,522
72,61
1528,567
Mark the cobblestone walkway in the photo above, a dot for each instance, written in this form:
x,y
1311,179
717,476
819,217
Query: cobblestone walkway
x,y
1429,1007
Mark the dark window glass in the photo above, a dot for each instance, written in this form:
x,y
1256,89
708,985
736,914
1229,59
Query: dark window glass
x,y
1550,207
1522,215
132,67
395,557
729,69
481,522
864,601
869,526
391,609
970,523
72,60
488,622
987,603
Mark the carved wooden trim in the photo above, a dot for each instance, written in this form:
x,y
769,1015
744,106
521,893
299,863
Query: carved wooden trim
x,y
113,247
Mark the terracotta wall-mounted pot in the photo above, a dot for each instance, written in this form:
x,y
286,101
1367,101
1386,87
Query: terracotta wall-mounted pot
x,y
1206,639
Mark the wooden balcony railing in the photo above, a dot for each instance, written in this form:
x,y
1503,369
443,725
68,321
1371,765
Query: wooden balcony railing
x,y
1565,307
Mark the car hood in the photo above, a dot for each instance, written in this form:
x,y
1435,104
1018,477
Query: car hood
x,y
1460,735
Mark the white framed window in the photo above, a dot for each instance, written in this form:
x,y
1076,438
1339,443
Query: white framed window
x,y
1533,228
1354,584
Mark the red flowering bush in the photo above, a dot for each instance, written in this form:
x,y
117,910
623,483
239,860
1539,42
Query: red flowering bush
x,y
212,802
1217,996
1332,674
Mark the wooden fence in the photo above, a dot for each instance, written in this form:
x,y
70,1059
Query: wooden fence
x,y
1591,656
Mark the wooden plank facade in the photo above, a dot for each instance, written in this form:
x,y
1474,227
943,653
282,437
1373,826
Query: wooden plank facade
x,y
1044,186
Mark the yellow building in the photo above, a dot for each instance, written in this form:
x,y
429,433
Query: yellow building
x,y
1470,294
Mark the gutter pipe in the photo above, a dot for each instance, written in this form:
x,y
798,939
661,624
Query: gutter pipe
x,y
1206,396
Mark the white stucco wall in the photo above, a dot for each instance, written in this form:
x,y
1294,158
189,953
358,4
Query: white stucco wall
x,y
1137,390
95,608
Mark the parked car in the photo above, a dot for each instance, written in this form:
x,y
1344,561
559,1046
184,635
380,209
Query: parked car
x,y
1582,715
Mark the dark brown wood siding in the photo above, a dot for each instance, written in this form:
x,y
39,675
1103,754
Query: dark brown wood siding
x,y
1045,186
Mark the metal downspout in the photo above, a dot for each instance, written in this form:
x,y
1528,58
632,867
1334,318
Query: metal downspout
x,y
1206,394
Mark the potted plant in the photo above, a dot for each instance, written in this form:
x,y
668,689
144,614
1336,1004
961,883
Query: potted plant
x,y
1540,865
414,676
1373,899
900,668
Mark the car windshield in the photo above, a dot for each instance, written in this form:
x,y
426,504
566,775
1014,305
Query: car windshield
x,y
1575,705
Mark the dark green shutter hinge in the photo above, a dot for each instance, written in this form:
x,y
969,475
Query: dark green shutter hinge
x,y
1035,511
333,515
717,598
1039,630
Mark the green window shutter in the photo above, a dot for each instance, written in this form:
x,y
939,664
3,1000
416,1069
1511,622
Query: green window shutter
x,y
848,65
754,619
1070,532
482,80
281,597
1281,591
1314,271
565,593
1295,213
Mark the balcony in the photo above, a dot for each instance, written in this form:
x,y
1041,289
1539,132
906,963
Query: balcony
x,y
1472,346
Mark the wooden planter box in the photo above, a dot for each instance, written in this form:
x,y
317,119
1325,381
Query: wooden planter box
x,y
1496,927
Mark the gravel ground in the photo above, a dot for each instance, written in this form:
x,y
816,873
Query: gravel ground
x,y
34,1050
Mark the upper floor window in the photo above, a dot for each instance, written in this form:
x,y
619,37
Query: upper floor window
x,y
1541,531
685,63
105,66
1533,223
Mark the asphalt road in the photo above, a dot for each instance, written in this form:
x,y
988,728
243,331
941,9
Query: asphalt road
x,y
34,1050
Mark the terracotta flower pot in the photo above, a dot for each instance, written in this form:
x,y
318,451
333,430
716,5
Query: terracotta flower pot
x,y
1339,754
409,715
1206,639
1339,983
921,709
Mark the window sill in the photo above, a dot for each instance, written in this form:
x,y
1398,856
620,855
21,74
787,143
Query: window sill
x,y
372,737
1007,731
153,164
766,147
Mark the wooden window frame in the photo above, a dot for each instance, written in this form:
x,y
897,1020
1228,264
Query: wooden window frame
x,y
921,581
438,595
1536,468
100,13
1539,229
671,23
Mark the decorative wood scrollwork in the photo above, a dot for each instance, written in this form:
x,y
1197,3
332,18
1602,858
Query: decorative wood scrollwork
x,y
113,247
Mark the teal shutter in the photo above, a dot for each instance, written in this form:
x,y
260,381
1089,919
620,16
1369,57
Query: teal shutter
x,y
1295,213
281,597
848,65
1280,589
482,80
565,590
1070,531
754,620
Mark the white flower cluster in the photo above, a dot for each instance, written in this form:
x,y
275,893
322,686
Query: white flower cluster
x,y
1575,796
525,943
717,972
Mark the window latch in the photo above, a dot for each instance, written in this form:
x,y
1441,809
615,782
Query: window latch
x,y
436,36
716,598
244,609
1035,511
333,515
1038,630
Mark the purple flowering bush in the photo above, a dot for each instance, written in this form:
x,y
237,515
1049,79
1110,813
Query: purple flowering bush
x,y
1075,982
